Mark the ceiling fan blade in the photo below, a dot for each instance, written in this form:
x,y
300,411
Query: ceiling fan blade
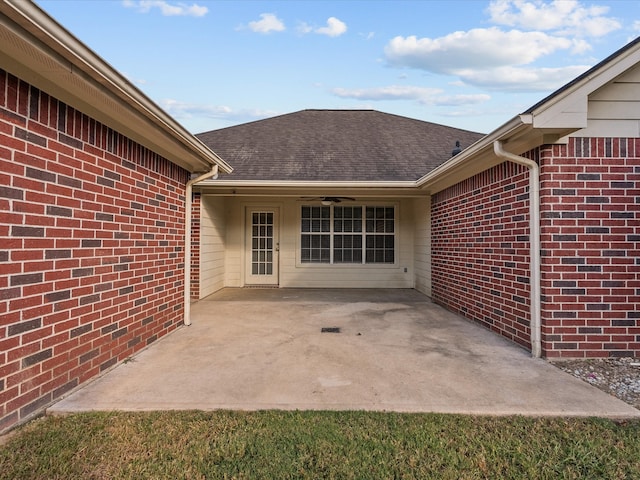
x,y
327,199
339,199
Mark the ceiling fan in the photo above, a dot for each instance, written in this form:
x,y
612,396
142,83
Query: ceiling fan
x,y
328,200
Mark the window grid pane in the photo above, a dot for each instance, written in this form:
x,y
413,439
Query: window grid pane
x,y
347,248
262,243
315,248
380,241
342,226
316,238
347,219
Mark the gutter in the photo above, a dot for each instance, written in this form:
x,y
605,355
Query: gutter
x,y
508,130
187,239
315,184
74,58
534,241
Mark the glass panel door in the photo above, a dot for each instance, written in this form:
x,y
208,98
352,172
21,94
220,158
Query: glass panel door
x,y
262,247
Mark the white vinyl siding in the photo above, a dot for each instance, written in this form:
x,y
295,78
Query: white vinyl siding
x,y
422,235
614,109
294,273
213,232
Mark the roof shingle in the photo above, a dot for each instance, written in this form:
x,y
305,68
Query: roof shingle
x,y
336,145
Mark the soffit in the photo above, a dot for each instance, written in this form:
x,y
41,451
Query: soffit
x,y
38,50
310,189
568,106
558,115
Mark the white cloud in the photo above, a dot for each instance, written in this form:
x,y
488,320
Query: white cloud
x,y
304,28
457,100
464,113
334,28
185,111
489,58
580,46
423,95
478,48
393,92
517,79
566,17
268,23
167,9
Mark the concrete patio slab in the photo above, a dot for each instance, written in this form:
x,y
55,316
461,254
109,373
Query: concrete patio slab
x,y
251,349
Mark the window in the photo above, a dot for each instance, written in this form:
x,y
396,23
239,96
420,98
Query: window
x,y
380,235
350,234
316,239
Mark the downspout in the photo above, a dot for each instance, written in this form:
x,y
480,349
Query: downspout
x,y
534,241
187,239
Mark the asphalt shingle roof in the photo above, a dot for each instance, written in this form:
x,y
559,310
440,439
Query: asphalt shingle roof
x,y
336,145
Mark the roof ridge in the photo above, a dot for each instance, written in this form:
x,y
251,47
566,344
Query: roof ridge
x,y
335,111
338,110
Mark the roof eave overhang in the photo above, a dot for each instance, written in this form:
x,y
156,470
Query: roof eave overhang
x,y
552,119
517,135
283,188
567,107
39,50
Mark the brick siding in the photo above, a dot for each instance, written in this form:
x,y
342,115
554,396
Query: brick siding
x,y
480,250
590,248
92,233
590,195
195,246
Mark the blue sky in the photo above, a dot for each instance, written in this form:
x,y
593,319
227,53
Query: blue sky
x,y
471,64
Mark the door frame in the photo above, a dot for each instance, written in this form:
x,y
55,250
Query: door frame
x,y
250,279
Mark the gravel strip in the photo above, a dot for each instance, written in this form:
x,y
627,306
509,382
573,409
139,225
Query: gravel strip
x,y
619,377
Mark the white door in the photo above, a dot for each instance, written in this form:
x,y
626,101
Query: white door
x,y
262,246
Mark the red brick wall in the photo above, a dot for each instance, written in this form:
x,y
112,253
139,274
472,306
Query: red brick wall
x,y
92,234
590,195
590,248
195,247
480,250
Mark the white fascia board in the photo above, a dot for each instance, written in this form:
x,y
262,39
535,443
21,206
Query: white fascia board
x,y
305,184
569,107
474,151
563,113
321,184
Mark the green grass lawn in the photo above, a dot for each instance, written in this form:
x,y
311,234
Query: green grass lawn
x,y
319,445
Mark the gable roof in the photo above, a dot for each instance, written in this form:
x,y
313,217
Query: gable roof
x,y
37,49
562,113
335,145
592,72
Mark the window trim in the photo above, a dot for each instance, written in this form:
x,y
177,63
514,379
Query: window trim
x,y
331,264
